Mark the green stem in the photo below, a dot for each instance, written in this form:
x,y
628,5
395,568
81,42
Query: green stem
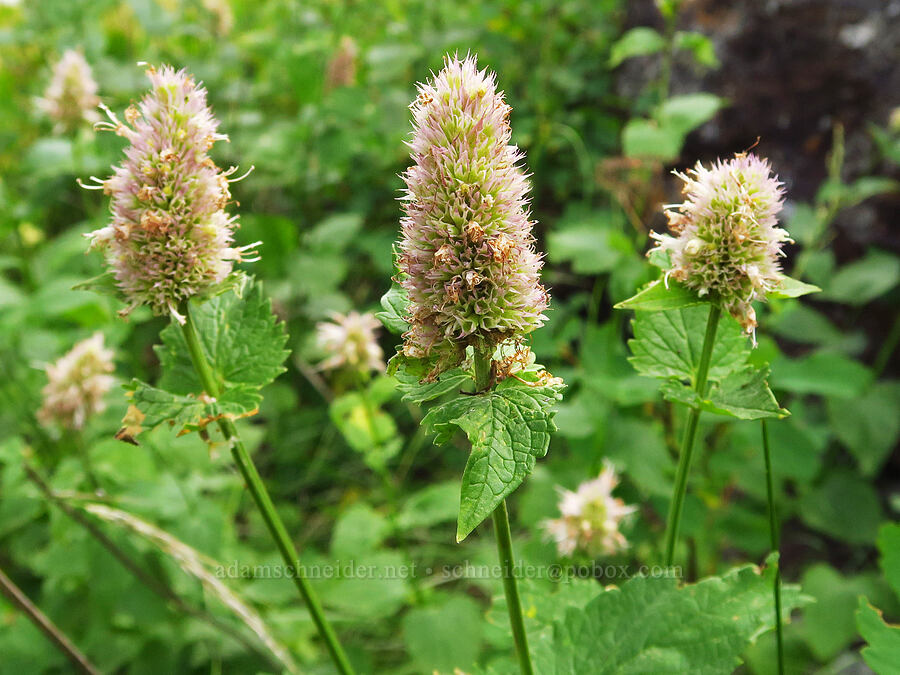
x,y
510,589
18,599
483,380
263,500
690,432
773,534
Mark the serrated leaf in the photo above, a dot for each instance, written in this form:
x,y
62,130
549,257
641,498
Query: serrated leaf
x,y
651,625
188,412
659,297
668,344
792,288
241,337
509,428
243,342
394,303
882,653
744,394
416,391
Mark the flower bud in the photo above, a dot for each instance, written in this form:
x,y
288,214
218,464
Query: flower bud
x,y
170,237
467,254
728,242
591,517
77,383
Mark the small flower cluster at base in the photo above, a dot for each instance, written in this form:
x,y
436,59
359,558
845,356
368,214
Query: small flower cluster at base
x,y
70,99
77,384
170,237
350,340
591,517
728,242
467,257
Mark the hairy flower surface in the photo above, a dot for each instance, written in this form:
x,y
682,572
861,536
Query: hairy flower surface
x,y
728,242
77,383
170,237
590,518
467,256
350,341
70,99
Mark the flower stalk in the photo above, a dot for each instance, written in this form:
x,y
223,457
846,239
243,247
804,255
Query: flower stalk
x,y
690,432
263,500
773,537
59,639
483,376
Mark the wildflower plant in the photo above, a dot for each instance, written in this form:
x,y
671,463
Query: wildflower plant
x,y
170,247
725,256
467,294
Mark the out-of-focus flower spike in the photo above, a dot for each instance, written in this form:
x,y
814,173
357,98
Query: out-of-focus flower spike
x,y
77,383
70,99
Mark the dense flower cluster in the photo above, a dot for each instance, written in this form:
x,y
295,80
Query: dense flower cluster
x,y
170,237
467,256
728,242
77,383
70,99
350,341
590,518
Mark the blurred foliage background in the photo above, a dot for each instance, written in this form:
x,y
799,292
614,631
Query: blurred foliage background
x,y
607,97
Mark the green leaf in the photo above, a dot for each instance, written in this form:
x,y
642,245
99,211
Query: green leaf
x,y
651,625
700,47
792,288
882,653
244,344
430,506
862,281
444,637
829,624
359,530
668,344
241,337
592,247
188,412
415,391
649,139
365,426
845,507
889,548
393,316
640,41
743,394
659,296
868,425
509,428
824,373
683,114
